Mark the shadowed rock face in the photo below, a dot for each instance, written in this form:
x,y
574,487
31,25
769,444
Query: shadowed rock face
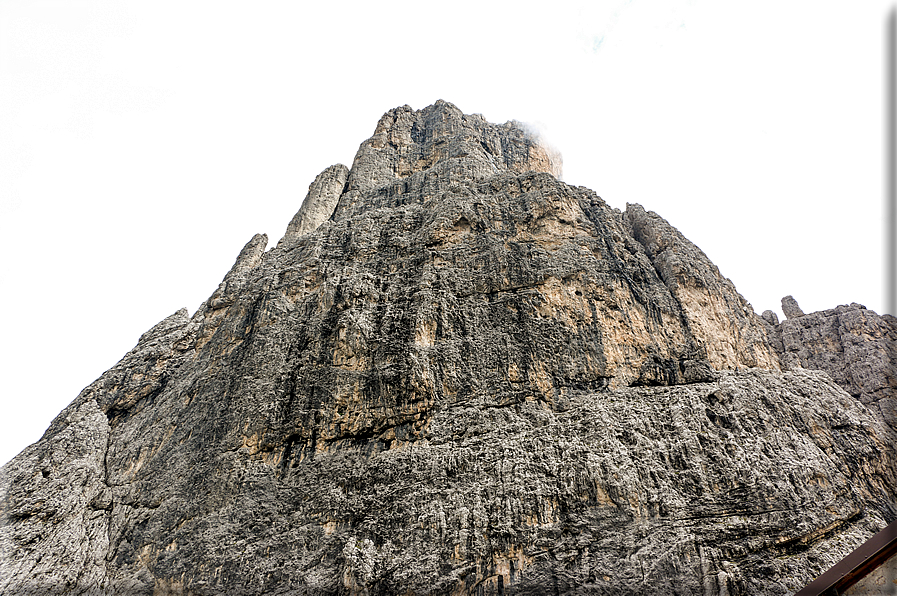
x,y
469,377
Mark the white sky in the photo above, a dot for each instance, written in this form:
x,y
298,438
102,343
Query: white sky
x,y
142,144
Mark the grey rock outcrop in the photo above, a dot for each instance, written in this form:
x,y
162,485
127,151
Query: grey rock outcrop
x,y
790,308
59,503
323,195
235,279
473,379
855,346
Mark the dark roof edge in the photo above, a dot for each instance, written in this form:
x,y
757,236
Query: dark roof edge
x,y
856,565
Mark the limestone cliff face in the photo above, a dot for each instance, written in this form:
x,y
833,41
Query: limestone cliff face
x,y
855,346
468,378
721,321
417,155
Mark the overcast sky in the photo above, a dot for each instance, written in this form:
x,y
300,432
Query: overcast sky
x,y
142,144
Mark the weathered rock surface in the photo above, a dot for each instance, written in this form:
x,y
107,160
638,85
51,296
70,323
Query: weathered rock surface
x,y
722,322
790,308
323,195
770,317
417,155
855,346
468,378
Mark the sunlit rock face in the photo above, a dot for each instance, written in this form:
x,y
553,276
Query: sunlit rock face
x,y
323,195
455,374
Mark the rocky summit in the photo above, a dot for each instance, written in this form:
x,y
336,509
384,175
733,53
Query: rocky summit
x,y
457,375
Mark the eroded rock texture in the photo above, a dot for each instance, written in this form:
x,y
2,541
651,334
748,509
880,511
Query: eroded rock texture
x,y
855,346
323,195
722,321
470,378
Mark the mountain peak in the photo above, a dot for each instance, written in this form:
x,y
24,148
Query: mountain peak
x,y
429,150
459,375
